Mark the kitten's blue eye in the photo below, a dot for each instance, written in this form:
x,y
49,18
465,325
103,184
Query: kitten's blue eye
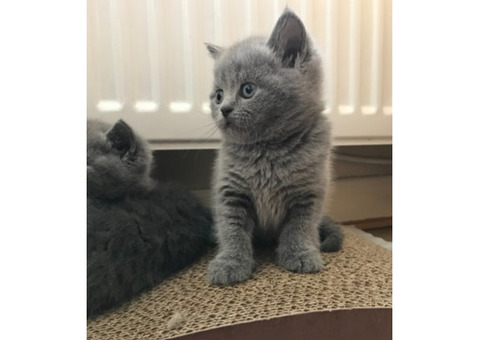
x,y
218,96
248,90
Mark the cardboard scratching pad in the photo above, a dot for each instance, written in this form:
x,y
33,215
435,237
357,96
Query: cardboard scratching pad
x,y
357,277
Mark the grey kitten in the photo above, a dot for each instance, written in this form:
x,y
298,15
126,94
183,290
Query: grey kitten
x,y
273,168
139,231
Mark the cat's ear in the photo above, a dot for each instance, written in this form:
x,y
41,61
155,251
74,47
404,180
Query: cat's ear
x,y
214,50
289,39
122,138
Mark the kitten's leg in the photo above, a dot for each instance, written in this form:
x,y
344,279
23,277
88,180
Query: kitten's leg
x,y
298,247
234,223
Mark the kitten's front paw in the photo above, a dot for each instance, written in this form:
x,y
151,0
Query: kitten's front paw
x,y
227,270
305,261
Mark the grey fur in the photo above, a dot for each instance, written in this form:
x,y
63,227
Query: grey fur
x,y
273,169
331,236
139,231
118,173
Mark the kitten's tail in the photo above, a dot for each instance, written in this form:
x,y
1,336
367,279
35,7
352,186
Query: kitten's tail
x,y
331,236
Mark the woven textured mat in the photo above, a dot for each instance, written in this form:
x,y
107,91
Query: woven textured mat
x,y
359,276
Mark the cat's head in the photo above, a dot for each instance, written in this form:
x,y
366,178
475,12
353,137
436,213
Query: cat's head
x,y
266,88
118,160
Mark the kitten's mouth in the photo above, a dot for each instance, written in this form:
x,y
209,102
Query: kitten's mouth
x,y
225,124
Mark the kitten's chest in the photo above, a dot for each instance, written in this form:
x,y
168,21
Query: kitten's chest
x,y
266,182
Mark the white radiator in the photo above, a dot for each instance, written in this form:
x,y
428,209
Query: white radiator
x,y
148,65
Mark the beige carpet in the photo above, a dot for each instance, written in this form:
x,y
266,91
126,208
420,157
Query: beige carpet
x,y
359,276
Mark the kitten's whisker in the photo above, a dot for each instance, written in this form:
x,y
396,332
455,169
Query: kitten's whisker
x,y
212,123
196,128
211,132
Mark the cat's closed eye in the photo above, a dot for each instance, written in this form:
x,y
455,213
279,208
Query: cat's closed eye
x,y
247,90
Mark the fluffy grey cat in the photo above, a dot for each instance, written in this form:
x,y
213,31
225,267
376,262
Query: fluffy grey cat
x,y
273,168
138,231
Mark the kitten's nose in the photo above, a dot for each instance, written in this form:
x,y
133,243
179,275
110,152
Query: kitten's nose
x,y
226,110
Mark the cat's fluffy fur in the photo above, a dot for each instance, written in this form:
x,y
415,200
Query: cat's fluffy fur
x,y
273,168
138,231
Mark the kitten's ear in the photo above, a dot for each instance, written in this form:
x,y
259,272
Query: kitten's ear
x,y
214,50
289,39
122,138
